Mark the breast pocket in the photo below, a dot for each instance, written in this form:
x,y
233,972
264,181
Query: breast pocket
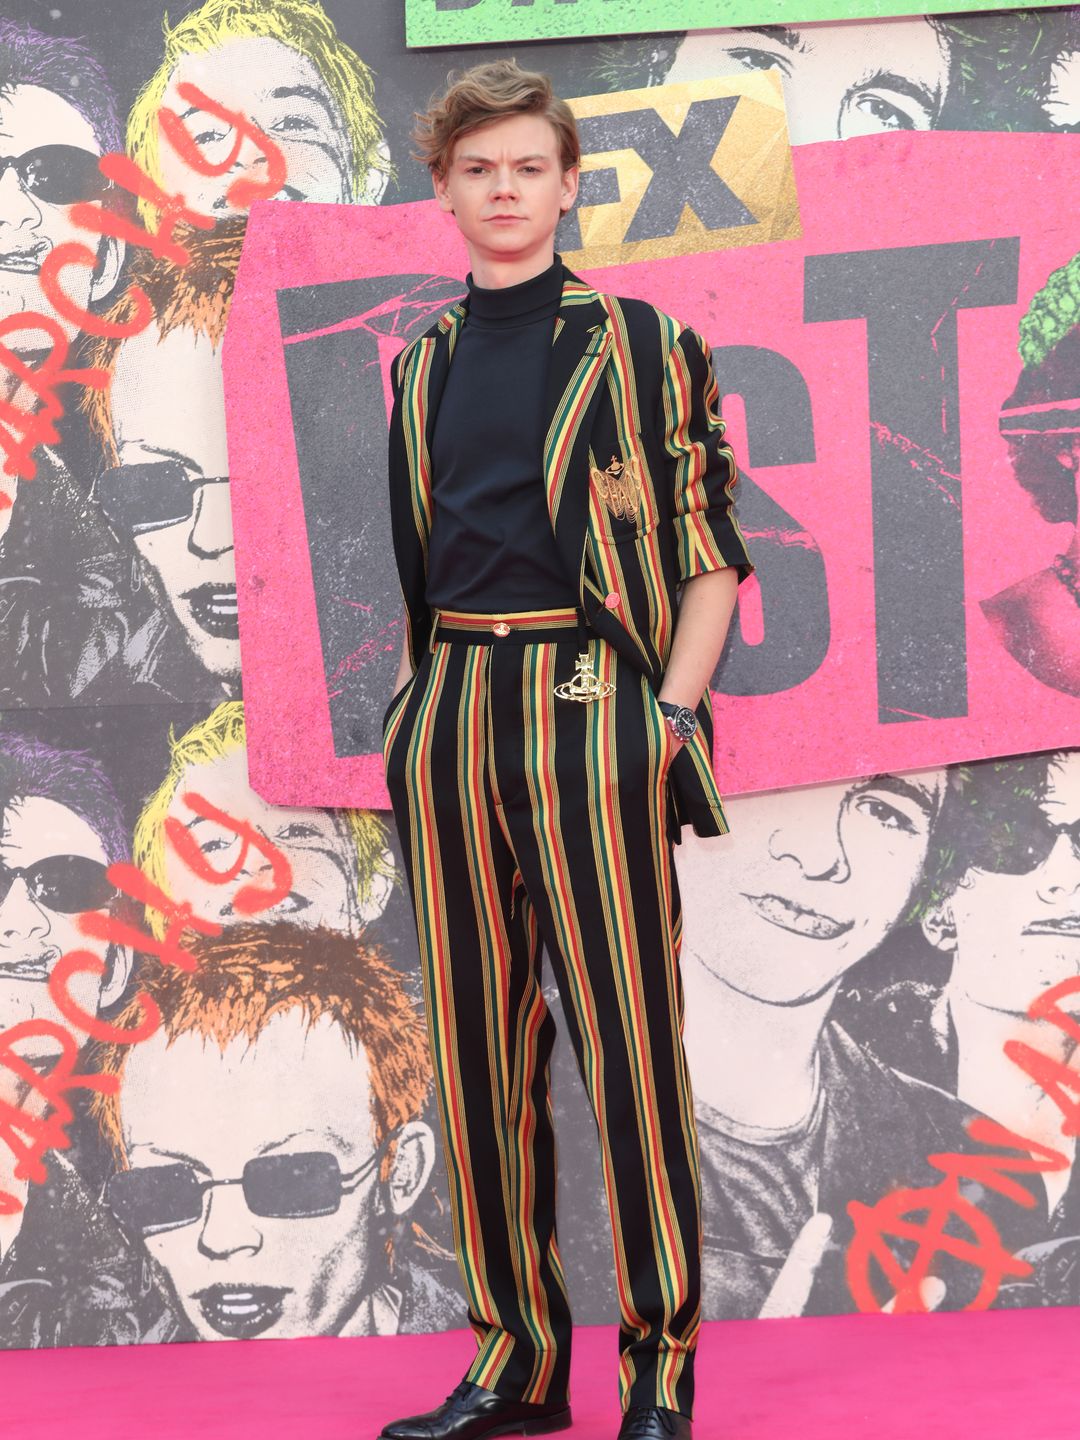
x,y
622,501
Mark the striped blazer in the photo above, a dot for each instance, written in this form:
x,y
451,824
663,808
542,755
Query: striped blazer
x,y
626,383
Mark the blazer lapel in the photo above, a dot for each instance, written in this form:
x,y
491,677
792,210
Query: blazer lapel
x,y
423,388
579,352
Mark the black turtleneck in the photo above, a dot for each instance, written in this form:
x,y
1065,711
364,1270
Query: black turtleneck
x,y
492,548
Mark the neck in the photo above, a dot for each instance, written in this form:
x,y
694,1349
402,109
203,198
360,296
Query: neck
x,y
492,272
750,1060
989,1081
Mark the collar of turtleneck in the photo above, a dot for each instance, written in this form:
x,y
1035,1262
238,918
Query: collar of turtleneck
x,y
520,304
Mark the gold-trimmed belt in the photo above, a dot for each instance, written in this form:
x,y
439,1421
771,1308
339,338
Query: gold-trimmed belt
x,y
524,627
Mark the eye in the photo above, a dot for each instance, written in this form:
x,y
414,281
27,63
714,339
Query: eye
x,y
209,137
474,170
298,831
886,815
751,59
887,115
293,122
531,169
214,844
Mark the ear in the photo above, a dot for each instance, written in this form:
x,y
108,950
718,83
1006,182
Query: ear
x,y
570,180
379,892
414,1157
438,184
110,262
119,960
939,927
376,180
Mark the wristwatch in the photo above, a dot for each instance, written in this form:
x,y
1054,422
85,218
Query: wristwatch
x,y
682,722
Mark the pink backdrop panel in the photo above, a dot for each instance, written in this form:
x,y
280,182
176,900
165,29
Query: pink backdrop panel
x,y
828,350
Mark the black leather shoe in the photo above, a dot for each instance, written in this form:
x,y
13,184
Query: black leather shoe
x,y
652,1422
472,1413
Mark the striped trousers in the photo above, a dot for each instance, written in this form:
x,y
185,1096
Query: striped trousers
x,y
527,820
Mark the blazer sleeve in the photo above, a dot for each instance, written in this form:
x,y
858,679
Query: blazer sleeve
x,y
701,466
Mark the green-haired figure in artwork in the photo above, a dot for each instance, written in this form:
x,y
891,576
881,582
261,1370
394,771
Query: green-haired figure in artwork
x,y
1037,618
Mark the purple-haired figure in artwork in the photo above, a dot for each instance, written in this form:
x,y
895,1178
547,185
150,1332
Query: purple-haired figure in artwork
x,y
61,826
59,607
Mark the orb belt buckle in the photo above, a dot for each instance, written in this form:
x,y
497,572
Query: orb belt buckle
x,y
586,685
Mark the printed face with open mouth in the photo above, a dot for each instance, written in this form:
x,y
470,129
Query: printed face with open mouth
x,y
58,151
60,863
316,843
809,882
298,1088
1016,929
168,412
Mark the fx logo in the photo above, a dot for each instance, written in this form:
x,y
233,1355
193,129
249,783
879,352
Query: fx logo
x,y
659,168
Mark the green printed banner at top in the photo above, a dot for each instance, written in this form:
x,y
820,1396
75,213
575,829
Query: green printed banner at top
x,y
484,22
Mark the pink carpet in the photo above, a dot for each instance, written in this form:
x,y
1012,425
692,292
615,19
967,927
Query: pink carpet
x,y
953,1376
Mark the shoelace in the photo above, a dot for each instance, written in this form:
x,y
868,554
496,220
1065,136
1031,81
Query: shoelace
x,y
640,1420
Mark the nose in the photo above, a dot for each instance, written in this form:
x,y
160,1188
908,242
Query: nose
x,y
18,208
504,183
229,1227
211,525
21,917
817,849
1060,875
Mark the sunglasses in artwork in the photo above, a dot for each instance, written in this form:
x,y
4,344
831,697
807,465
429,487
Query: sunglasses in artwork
x,y
300,1186
67,884
150,495
58,174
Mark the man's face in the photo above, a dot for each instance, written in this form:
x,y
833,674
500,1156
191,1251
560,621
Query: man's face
x,y
808,884
506,188
839,80
35,932
283,93
295,1089
1017,934
30,224
316,845
168,409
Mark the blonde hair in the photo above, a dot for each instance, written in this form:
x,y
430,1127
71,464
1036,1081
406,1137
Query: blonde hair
x,y
212,739
302,25
482,95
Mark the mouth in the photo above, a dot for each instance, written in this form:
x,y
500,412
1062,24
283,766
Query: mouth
x,y
241,1312
214,610
26,260
1068,925
30,967
293,904
495,219
786,915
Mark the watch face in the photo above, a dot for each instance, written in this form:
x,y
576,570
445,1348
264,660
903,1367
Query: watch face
x,y
684,723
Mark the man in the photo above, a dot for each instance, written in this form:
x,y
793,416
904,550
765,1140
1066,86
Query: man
x,y
58,590
61,826
1005,907
796,1120
308,1043
282,66
551,490
342,871
839,80
164,489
